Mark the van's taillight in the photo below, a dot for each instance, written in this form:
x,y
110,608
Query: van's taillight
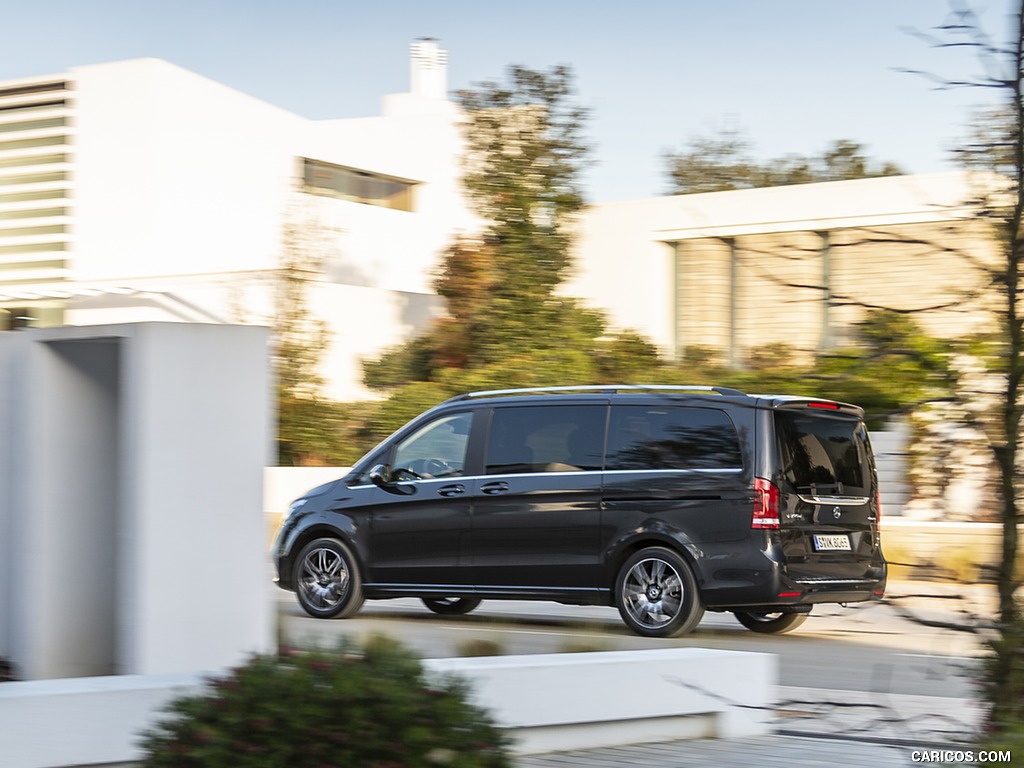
x,y
828,406
878,509
766,505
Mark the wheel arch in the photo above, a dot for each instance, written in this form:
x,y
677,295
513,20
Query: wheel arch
x,y
319,530
679,544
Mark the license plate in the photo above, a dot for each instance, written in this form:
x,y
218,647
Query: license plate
x,y
832,543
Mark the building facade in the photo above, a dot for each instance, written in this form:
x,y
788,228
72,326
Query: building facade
x,y
732,273
136,191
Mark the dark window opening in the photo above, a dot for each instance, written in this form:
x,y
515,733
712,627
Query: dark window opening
x,y
356,186
25,90
546,438
824,454
644,437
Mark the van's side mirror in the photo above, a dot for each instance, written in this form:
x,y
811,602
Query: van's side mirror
x,y
380,475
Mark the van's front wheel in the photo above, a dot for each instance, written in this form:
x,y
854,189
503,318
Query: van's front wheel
x,y
327,580
770,623
656,594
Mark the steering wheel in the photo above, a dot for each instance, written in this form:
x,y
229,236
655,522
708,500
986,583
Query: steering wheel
x,y
405,471
437,468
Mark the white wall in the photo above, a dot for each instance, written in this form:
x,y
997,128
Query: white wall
x,y
182,186
133,499
174,173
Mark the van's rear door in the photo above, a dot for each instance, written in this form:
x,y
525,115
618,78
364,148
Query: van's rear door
x,y
828,485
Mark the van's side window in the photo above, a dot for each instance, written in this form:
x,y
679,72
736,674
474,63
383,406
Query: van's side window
x,y
546,438
644,437
437,449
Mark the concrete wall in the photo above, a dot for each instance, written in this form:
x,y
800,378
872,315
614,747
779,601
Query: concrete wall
x,y
131,468
662,266
545,703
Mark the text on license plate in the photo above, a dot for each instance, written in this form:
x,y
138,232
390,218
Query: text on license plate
x,y
824,543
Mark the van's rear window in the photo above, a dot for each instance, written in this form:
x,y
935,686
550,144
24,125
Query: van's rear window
x,y
823,454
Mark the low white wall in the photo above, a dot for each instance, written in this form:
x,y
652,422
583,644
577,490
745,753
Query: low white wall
x,y
82,721
548,702
554,702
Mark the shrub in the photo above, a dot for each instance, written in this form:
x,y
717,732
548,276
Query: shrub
x,y
479,646
370,705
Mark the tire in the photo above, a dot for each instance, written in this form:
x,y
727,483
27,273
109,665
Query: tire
x,y
451,606
327,580
769,623
656,594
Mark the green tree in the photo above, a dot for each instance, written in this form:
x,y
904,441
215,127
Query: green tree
x,y
525,155
506,325
723,162
307,422
996,146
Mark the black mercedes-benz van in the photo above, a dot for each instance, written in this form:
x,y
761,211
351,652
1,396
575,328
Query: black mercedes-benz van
x,y
663,501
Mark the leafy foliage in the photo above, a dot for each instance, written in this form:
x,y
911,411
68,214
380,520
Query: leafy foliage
x,y
308,424
352,706
506,326
1004,676
723,162
996,145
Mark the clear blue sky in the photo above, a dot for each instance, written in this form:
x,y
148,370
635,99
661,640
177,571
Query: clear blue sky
x,y
794,74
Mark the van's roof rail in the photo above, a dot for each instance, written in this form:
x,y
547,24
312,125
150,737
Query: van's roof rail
x,y
609,389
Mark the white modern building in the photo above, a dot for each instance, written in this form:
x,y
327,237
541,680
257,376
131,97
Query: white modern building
x,y
135,191
734,272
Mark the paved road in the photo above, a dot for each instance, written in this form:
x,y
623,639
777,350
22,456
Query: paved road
x,y
872,648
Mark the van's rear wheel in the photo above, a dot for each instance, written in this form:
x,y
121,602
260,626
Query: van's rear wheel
x,y
451,606
770,623
656,594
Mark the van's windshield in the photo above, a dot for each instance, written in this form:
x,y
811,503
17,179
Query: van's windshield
x,y
827,454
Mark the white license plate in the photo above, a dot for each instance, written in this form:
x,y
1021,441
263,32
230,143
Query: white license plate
x,y
832,543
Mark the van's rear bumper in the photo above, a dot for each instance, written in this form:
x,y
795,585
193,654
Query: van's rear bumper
x,y
773,588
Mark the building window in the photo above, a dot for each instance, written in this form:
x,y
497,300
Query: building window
x,y
36,141
25,90
32,178
39,106
320,178
37,315
33,125
36,194
30,213
33,248
27,160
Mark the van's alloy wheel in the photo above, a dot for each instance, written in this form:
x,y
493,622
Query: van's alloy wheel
x,y
656,594
327,580
770,623
451,606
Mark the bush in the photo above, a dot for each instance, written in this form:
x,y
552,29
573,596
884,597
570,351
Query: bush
x,y
354,706
1003,688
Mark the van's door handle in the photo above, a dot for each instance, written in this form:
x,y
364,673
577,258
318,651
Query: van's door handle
x,y
451,490
493,489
